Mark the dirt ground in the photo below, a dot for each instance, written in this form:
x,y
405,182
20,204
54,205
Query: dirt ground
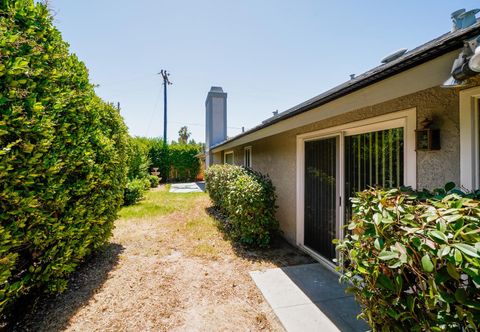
x,y
167,268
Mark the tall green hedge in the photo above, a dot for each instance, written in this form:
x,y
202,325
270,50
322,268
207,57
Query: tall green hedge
x,y
247,198
175,162
62,156
138,158
184,165
413,259
159,157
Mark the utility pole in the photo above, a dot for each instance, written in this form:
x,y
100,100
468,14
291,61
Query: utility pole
x,y
166,82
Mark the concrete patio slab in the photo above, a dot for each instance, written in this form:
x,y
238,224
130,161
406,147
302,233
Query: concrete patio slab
x,y
192,187
309,298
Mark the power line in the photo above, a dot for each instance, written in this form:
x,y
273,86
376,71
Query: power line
x,y
152,111
133,79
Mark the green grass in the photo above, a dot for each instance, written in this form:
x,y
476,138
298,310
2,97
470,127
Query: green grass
x,y
159,203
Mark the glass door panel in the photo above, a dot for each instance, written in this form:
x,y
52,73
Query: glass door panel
x,y
372,159
320,196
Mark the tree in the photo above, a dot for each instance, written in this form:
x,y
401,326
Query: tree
x,y
183,135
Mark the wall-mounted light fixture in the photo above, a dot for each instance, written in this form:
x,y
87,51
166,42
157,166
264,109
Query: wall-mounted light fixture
x,y
427,139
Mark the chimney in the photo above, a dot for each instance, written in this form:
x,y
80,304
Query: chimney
x,y
216,120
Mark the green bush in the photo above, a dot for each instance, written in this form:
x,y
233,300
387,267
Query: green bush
x,y
184,165
62,156
138,160
247,199
159,156
154,181
218,180
176,162
134,191
414,259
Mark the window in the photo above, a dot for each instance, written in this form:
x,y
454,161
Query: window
x,y
247,160
228,158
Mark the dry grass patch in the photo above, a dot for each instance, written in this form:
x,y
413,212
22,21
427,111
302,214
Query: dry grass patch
x,y
171,270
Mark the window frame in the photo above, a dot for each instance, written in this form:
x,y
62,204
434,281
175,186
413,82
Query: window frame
x,y
247,149
469,110
225,157
406,119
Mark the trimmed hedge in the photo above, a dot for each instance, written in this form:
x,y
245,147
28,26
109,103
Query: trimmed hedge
x,y
184,165
159,157
175,162
138,160
62,156
247,198
414,259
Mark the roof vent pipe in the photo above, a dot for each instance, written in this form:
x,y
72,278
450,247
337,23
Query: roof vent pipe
x,y
462,19
456,21
468,18
394,56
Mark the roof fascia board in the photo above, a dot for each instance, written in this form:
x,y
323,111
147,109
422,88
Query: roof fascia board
x,y
427,75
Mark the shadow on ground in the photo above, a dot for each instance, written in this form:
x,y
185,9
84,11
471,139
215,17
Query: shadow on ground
x,y
322,287
280,253
52,313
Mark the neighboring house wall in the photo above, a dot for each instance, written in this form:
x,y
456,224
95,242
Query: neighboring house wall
x,y
276,155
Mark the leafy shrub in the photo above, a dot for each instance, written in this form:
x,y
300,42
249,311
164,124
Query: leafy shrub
x,y
247,199
176,162
62,156
154,181
414,259
218,180
159,156
184,165
138,160
134,191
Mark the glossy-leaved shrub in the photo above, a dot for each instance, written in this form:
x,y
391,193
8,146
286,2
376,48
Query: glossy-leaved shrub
x,y
413,259
62,156
247,199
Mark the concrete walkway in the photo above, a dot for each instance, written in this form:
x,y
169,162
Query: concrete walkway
x,y
192,187
309,298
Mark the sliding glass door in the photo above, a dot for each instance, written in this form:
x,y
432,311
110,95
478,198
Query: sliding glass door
x,y
372,159
359,161
321,196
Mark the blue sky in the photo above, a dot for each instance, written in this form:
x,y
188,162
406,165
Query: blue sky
x,y
267,55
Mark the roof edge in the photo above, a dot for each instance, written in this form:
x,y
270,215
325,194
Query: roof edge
x,y
436,48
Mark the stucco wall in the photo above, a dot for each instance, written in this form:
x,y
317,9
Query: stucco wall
x,y
276,155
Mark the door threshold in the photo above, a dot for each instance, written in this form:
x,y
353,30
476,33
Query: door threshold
x,y
319,258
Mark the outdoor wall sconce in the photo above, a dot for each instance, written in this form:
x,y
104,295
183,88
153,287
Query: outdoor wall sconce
x,y
427,139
